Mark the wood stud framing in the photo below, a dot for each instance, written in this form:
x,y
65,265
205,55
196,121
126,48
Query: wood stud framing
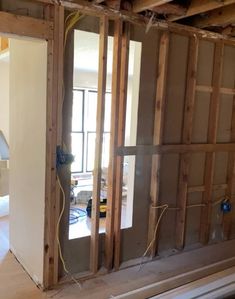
x,y
26,26
187,138
230,191
109,234
212,135
52,30
216,17
140,5
175,148
54,135
120,142
97,173
202,6
158,134
92,9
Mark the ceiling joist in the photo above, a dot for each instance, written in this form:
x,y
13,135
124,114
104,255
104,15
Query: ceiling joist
x,y
170,9
202,6
202,13
141,5
218,17
115,4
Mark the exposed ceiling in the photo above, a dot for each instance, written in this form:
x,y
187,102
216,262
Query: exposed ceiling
x,y
214,15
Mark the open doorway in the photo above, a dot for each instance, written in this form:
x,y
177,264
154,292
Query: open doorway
x,y
83,132
23,83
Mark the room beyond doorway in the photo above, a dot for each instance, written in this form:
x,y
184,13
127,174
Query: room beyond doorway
x,y
83,132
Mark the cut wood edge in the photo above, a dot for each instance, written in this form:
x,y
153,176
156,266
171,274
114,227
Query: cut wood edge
x,y
176,281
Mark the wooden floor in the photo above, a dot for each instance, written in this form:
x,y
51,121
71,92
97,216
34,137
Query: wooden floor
x,y
14,281
219,285
16,284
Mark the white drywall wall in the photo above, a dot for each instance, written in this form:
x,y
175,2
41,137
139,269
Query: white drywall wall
x,y
4,98
28,67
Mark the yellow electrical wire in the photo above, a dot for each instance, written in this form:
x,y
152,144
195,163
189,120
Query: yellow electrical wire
x,y
70,22
166,207
58,233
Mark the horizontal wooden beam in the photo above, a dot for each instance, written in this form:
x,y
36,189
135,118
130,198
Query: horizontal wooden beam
x,y
92,9
170,8
151,290
25,26
229,30
175,148
223,90
193,189
43,1
201,6
115,4
141,5
217,17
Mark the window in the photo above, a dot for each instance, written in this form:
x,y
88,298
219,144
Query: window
x,y
84,130
77,135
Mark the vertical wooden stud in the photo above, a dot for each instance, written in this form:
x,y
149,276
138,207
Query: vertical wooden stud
x,y
54,125
95,215
212,134
230,191
158,134
186,138
109,237
121,141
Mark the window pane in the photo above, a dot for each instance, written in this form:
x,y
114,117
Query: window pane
x,y
77,117
90,151
91,111
77,151
107,118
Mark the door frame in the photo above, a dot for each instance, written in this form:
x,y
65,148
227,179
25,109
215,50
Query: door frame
x,y
50,29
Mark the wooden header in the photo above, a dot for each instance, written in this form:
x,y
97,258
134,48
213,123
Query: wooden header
x,y
174,149
93,9
25,26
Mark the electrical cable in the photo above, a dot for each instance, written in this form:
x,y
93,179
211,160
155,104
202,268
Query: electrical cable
x,y
70,21
166,207
75,214
58,233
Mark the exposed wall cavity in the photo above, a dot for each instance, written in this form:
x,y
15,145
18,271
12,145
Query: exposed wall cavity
x,y
21,7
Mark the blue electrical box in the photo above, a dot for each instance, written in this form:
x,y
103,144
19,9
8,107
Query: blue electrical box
x,y
225,206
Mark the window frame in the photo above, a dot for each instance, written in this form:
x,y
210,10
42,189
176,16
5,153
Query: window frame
x,y
85,133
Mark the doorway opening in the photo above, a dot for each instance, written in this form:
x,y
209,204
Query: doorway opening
x,y
83,132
